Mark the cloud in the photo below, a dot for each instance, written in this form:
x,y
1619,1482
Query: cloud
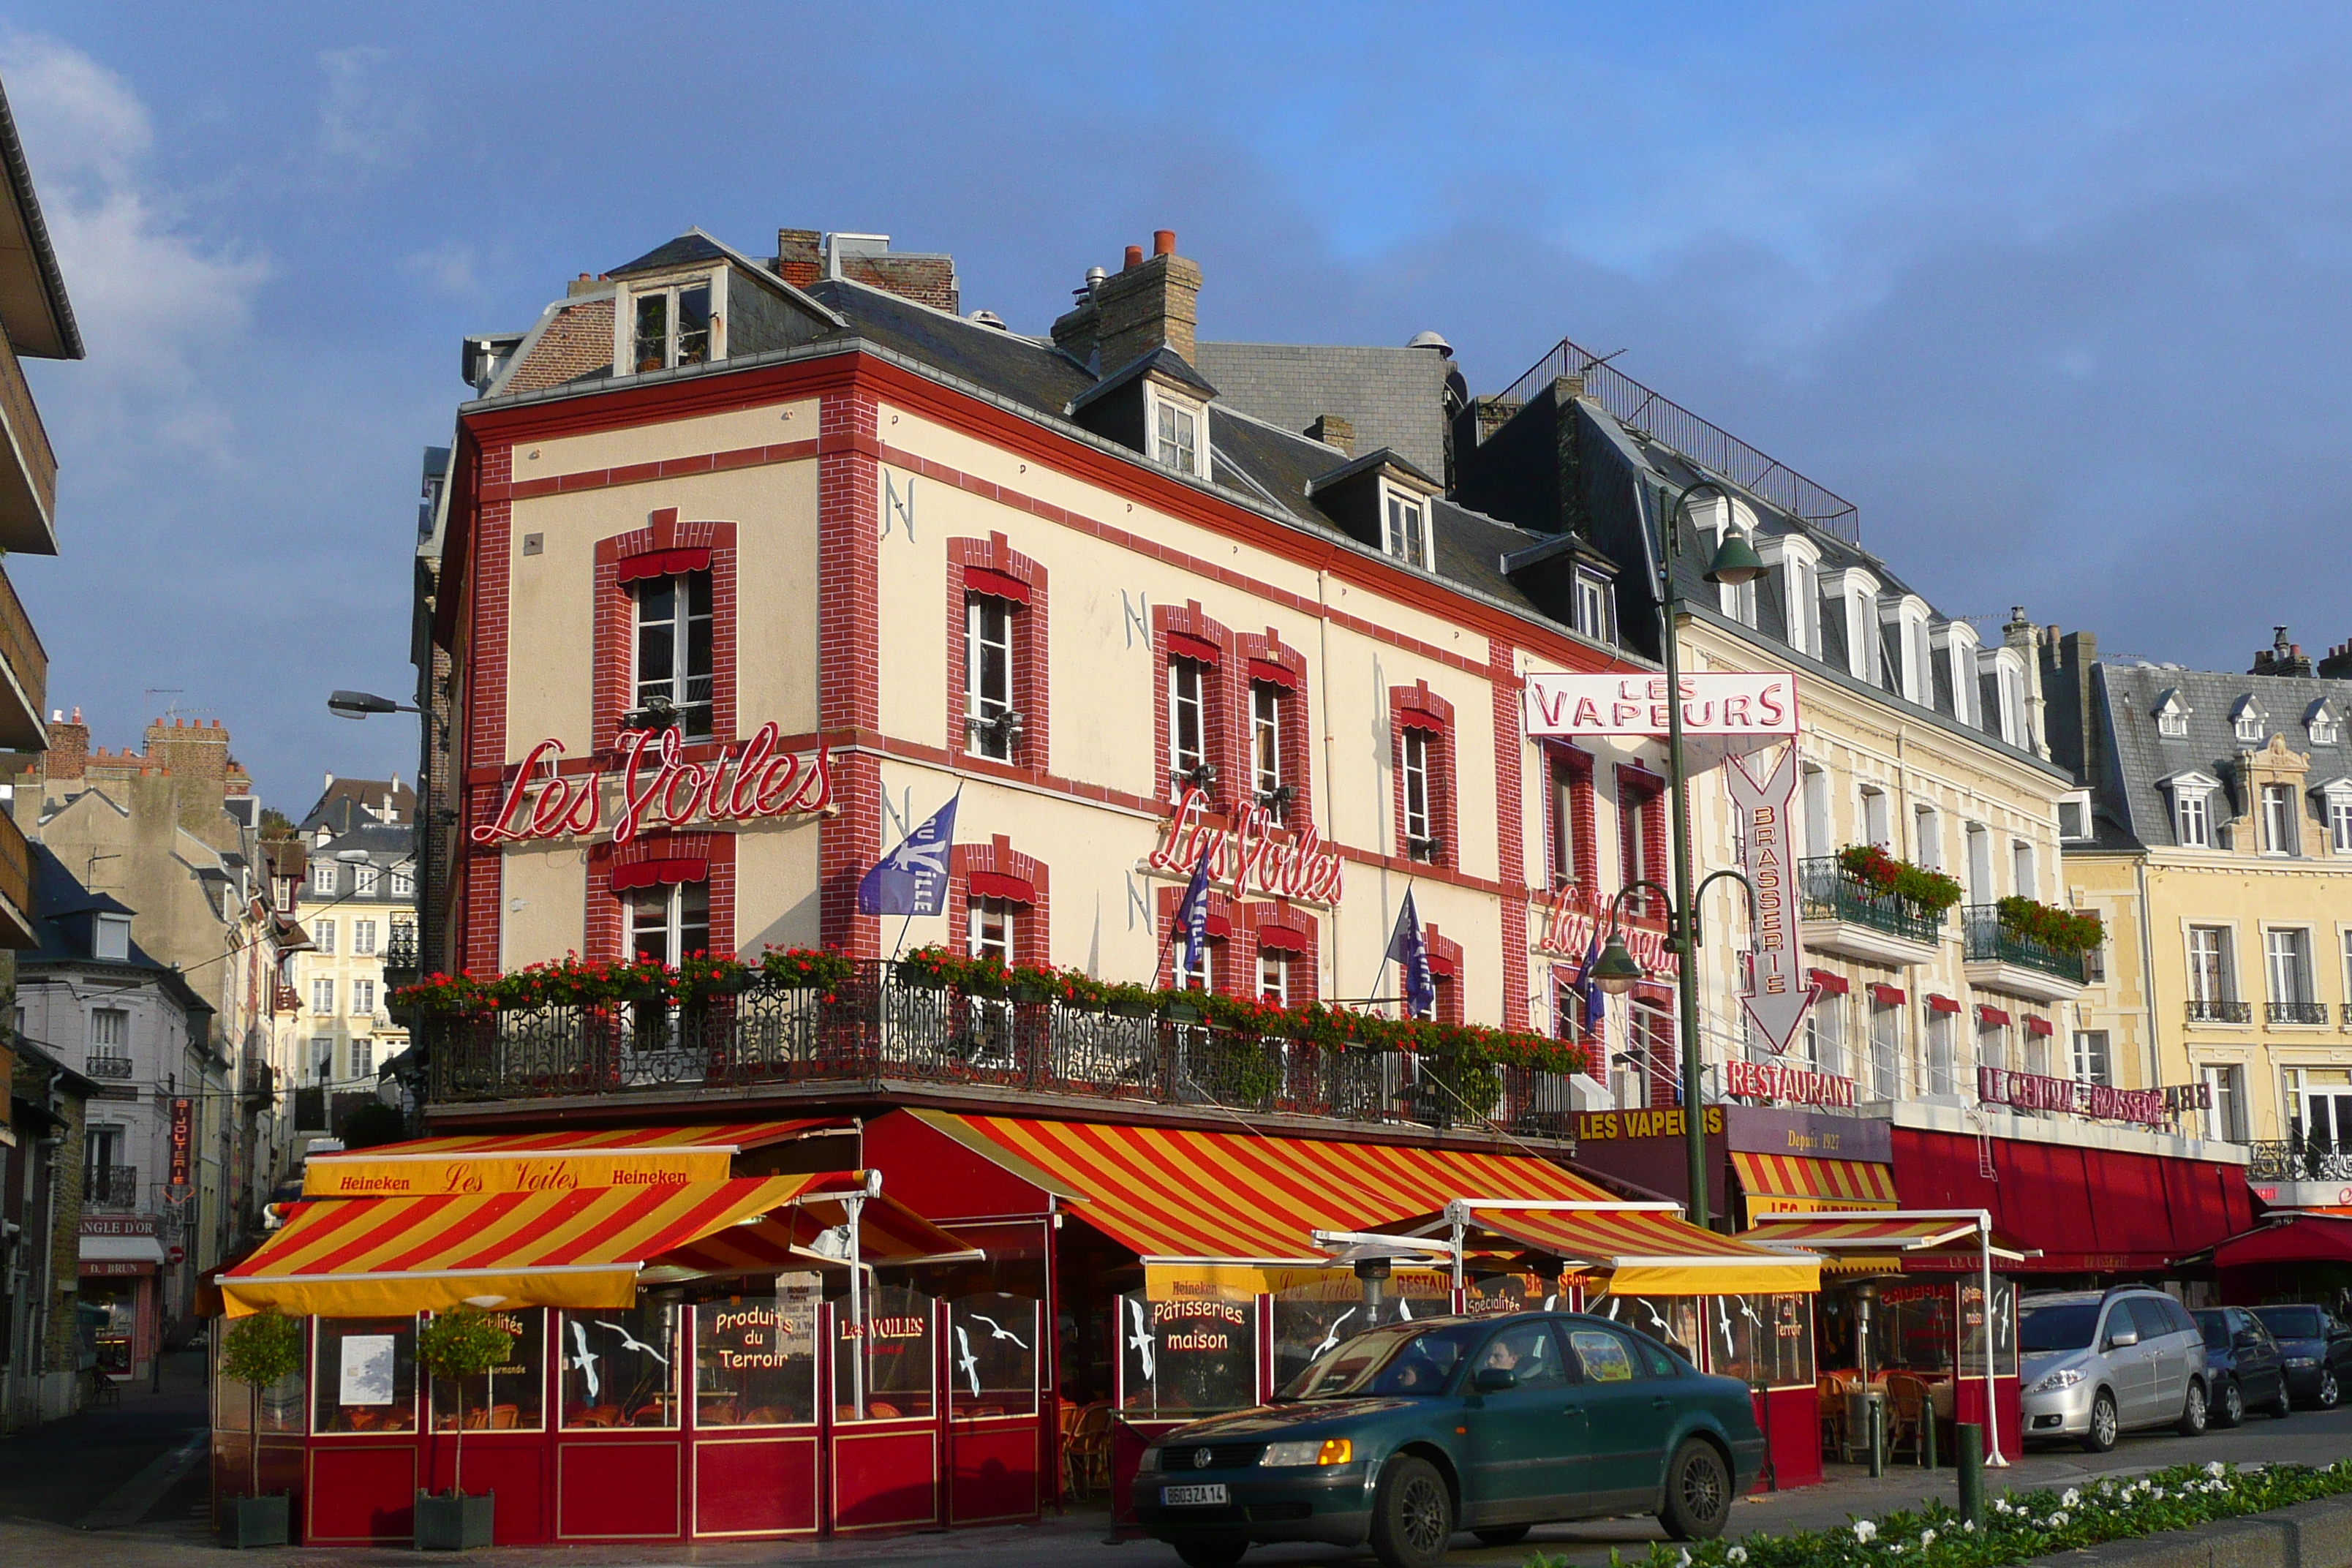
x,y
448,269
156,305
359,120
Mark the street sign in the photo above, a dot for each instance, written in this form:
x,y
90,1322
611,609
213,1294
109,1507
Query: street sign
x,y
1775,997
175,1255
1715,702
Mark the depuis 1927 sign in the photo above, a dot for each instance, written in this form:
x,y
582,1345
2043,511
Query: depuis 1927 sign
x,y
660,787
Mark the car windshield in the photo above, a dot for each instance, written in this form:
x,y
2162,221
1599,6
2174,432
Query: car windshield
x,y
1397,1359
2215,1327
2059,1327
2292,1322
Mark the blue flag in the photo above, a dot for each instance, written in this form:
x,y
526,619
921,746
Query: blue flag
x,y
1193,913
912,879
1596,1001
1412,954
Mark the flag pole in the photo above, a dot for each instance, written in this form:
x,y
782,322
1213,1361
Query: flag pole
x,y
907,924
1389,946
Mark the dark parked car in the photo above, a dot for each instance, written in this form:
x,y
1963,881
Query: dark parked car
x,y
1407,1432
2318,1352
2243,1364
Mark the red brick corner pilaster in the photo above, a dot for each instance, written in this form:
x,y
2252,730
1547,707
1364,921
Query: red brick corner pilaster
x,y
849,694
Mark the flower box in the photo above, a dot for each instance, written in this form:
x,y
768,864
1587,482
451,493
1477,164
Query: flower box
x,y
454,1521
255,1521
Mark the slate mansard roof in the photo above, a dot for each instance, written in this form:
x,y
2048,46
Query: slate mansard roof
x,y
2140,758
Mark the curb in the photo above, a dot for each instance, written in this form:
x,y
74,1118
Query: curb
x,y
2316,1534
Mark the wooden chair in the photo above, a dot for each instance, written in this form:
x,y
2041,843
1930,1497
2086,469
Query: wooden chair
x,y
1087,1453
505,1418
1828,1392
1906,1414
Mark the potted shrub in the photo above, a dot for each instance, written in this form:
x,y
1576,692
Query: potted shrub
x,y
462,1343
260,1350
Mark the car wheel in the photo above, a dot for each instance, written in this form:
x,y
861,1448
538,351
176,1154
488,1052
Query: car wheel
x,y
2101,1436
2284,1405
2233,1409
2192,1411
1211,1553
2328,1393
1413,1514
1698,1493
1502,1535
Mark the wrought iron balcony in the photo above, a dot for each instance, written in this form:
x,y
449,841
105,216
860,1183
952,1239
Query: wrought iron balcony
x,y
2201,1012
400,961
2295,1011
1987,938
1831,892
106,1067
878,1031
2292,1160
110,1187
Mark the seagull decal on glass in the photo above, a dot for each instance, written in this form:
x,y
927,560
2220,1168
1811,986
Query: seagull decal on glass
x,y
1331,1340
585,1362
1723,1321
1405,1310
1550,1300
966,1360
1141,1340
631,1343
997,1331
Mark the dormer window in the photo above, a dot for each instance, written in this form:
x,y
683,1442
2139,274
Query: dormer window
x,y
1856,592
1800,579
2326,723
1175,425
1592,607
112,939
2075,816
673,325
1915,676
2336,805
2249,722
2192,809
1959,641
2173,717
1407,536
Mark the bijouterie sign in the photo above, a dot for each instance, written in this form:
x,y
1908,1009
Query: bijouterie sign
x,y
1254,855
2033,1091
1792,1085
658,787
1719,702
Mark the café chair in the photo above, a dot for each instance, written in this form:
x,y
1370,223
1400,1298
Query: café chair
x,y
1906,1414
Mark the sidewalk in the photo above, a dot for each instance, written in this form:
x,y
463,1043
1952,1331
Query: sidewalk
x,y
85,1467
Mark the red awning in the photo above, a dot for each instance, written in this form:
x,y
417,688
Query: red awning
x,y
1414,718
999,885
1888,996
1828,984
2299,1239
1987,1014
662,563
2038,1025
1272,674
657,873
1941,1004
1281,939
995,584
1184,645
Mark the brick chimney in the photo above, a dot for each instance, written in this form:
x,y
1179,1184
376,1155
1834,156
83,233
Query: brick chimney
x,y
2336,666
68,756
1148,304
1334,430
2281,658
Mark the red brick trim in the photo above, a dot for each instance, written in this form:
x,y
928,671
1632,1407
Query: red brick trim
x,y
606,927
1228,971
1281,927
1641,833
1187,633
616,637
481,657
1510,819
1267,660
997,870
849,659
1417,707
992,567
1446,968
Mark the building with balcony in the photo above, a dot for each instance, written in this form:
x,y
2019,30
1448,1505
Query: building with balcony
x,y
356,901
2219,845
156,1132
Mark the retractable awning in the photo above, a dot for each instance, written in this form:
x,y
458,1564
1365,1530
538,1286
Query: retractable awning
x,y
1881,1242
477,1164
1798,1183
1645,1249
586,1247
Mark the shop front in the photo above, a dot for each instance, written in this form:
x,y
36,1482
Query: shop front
x,y
2289,1256
120,1269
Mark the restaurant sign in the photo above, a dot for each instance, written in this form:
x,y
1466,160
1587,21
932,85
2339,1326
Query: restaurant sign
x,y
658,788
1721,702
1566,923
370,1176
1609,1126
2033,1091
1253,854
1794,1086
1775,996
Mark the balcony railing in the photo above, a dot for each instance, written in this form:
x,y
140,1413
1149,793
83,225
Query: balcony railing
x,y
2295,1011
1988,939
17,876
110,1187
879,1029
28,494
2294,1160
400,957
106,1067
1834,893
2200,1012
21,649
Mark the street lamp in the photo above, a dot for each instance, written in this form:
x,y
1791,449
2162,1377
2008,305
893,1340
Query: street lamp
x,y
1735,563
359,704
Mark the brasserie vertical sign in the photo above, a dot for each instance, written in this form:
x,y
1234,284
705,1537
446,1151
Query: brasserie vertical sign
x,y
1776,996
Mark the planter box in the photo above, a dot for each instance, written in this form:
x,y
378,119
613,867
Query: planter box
x,y
920,979
1144,1009
456,1522
1030,996
1183,1013
255,1521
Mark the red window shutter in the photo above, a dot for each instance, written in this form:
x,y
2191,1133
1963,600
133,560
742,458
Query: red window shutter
x,y
662,563
1942,1003
1184,645
1888,996
1272,674
995,584
998,884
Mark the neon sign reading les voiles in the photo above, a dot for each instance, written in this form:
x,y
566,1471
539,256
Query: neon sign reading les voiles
x,y
746,781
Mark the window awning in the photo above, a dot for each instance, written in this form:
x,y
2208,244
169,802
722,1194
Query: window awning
x,y
584,1248
575,1159
2296,1239
1924,1234
1224,1203
121,1249
1644,1251
1795,1184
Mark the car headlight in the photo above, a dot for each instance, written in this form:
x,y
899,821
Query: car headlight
x,y
2065,1377
1326,1451
1149,1463
2302,1361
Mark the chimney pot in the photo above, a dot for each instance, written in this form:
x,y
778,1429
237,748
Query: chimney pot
x,y
1163,242
1134,258
1334,430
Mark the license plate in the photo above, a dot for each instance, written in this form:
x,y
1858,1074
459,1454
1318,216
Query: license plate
x,y
1176,1497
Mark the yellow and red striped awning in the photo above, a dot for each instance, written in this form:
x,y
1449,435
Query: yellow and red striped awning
x,y
476,1164
1886,1236
581,1248
1798,1183
1644,1251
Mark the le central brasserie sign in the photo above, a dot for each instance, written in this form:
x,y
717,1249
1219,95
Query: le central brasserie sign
x,y
657,787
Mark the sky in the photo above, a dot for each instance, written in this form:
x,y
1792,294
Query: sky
x,y
2055,295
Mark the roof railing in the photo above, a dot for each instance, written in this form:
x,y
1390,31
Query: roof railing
x,y
1709,445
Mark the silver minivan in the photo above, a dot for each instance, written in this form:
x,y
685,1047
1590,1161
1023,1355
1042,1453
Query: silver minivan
x,y
2092,1366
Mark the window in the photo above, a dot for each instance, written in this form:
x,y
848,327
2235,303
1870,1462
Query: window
x,y
2021,869
2074,816
2339,821
1939,1052
110,1030
101,1150
667,922
673,326
112,937
1877,819
2287,955
403,936
1274,978
1885,1050
2249,725
323,995
1200,976
1265,746
1407,538
2347,966
1821,834
989,719
2212,976
2172,722
2279,814
1960,656
1825,1034
2327,728
322,935
1562,810
363,1059
2226,1117
403,882
1993,1042
990,930
1590,608
1418,834
363,996
1980,864
1187,725
364,938
1176,435
2192,819
673,654
365,879
1797,573
1926,838
2091,1065
323,1057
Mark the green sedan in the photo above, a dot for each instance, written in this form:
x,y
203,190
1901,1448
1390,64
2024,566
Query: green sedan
x,y
1405,1434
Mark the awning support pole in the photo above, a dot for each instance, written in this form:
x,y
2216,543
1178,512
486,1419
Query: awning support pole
x,y
1992,1382
1460,1230
850,1204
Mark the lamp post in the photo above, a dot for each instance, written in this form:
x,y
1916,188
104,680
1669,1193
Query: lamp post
x,y
1736,563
